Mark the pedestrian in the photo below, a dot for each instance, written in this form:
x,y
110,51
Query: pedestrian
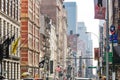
x,y
103,78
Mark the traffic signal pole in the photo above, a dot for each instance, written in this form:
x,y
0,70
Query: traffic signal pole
x,y
107,42
113,65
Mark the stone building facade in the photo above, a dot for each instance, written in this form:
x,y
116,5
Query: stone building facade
x,y
54,9
10,27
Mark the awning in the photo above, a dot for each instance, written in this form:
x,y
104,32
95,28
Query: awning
x,y
116,54
117,50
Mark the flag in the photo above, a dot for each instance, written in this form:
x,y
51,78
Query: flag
x,y
96,53
100,9
15,46
11,39
1,52
8,41
5,47
41,64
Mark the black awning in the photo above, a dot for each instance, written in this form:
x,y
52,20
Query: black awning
x,y
116,54
117,50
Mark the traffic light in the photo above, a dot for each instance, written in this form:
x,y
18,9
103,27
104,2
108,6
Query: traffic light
x,y
99,3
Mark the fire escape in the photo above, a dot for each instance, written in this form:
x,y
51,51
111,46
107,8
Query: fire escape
x,y
45,47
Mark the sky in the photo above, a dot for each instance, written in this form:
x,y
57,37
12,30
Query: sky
x,y
85,13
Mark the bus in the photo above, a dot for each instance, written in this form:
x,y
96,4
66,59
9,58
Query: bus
x,y
79,78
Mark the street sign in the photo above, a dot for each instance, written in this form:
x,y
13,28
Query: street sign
x,y
92,67
110,55
112,29
113,38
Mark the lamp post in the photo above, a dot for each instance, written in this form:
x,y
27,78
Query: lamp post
x,y
107,41
100,52
93,34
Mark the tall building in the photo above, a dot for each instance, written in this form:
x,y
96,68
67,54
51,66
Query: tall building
x,y
73,40
71,9
54,9
30,30
81,30
87,51
10,27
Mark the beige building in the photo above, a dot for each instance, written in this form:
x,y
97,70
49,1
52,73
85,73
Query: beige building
x,y
54,9
45,48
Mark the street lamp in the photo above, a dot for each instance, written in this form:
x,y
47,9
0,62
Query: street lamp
x,y
107,41
100,58
93,34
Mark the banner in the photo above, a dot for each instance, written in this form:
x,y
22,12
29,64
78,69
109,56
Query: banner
x,y
100,11
15,46
96,53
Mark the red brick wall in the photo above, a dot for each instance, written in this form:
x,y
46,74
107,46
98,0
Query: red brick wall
x,y
49,7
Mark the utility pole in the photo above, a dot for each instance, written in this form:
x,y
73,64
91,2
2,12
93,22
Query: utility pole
x,y
107,42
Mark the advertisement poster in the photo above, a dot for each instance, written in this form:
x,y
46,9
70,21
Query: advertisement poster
x,y
100,11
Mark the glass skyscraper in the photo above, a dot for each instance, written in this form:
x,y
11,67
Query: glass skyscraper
x,y
71,9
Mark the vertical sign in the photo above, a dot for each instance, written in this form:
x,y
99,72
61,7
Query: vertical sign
x,y
100,10
101,40
96,53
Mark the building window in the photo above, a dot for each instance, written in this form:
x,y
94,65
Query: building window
x,y
30,4
6,1
11,30
36,59
37,19
11,8
17,32
11,70
7,7
37,45
31,58
0,4
30,27
8,69
4,30
17,16
14,9
4,7
17,70
30,42
0,27
30,15
8,28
